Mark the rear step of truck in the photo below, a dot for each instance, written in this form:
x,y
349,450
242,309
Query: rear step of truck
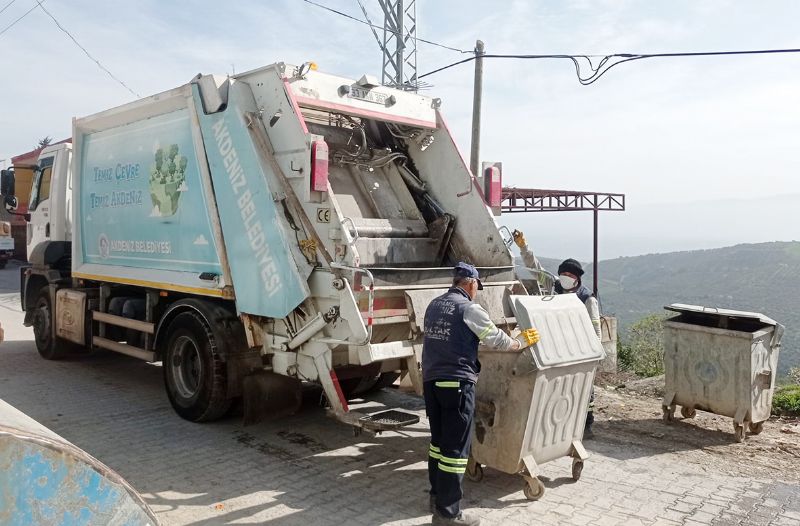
x,y
387,420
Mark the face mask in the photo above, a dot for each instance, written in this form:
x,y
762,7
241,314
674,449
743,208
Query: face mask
x,y
567,282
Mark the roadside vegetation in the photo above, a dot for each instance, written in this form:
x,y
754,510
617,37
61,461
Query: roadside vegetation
x,y
641,351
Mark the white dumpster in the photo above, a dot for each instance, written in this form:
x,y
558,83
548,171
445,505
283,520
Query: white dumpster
x,y
721,361
531,405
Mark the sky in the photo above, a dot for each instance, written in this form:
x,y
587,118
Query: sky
x,y
706,149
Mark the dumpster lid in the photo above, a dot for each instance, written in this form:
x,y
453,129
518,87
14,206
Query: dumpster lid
x,y
566,332
726,313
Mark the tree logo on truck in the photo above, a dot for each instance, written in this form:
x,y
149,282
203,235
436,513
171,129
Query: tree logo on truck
x,y
167,180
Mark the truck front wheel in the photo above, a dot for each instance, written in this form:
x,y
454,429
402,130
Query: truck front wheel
x,y
194,373
42,321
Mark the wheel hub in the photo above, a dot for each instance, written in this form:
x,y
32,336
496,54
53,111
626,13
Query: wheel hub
x,y
187,367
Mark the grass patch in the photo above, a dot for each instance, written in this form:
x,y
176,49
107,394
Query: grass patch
x,y
786,401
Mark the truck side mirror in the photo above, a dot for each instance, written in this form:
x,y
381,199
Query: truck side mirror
x,y
7,183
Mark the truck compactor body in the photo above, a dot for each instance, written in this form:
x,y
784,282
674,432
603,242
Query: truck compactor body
x,y
255,232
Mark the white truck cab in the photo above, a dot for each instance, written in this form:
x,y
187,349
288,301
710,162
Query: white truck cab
x,y
50,208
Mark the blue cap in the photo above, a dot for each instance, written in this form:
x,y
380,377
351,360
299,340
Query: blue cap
x,y
465,270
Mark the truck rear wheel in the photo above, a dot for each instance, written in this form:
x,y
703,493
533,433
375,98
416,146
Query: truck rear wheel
x,y
42,321
194,374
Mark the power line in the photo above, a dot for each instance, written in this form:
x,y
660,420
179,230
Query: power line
x,y
340,13
12,24
371,25
101,66
600,69
7,6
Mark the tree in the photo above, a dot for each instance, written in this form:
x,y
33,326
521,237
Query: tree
x,y
643,352
45,141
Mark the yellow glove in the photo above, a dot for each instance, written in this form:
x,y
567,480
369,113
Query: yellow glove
x,y
519,238
528,337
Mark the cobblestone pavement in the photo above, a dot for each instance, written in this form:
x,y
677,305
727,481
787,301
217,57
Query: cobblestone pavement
x,y
309,469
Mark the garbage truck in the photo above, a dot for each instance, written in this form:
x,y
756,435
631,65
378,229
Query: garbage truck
x,y
255,232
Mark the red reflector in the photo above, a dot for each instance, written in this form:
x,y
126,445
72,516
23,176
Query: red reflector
x,y
493,186
319,166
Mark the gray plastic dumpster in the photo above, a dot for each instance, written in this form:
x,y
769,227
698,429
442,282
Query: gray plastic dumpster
x,y
531,405
721,361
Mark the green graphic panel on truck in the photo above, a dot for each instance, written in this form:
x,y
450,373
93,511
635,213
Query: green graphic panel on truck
x,y
142,202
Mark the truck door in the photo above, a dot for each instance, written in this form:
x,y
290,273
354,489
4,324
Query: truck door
x,y
39,204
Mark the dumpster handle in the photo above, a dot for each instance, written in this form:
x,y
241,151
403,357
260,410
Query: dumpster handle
x,y
550,276
510,240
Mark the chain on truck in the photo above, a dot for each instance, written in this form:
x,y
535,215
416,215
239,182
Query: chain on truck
x,y
256,232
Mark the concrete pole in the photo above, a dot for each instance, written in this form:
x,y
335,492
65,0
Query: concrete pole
x,y
475,149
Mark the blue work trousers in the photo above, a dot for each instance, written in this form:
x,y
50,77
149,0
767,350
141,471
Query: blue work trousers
x,y
450,405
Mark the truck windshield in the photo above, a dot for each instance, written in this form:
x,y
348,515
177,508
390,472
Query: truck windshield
x,y
40,187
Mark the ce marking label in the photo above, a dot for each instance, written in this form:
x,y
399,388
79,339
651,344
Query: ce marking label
x,y
323,215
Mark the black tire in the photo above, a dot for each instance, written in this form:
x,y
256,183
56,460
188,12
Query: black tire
x,y
756,427
577,469
355,387
474,472
194,374
385,380
42,321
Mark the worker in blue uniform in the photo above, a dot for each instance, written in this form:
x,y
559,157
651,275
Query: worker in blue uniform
x,y
454,327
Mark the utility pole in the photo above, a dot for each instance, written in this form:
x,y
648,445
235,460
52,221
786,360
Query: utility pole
x,y
475,149
594,252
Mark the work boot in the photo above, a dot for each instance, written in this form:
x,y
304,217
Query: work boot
x,y
463,519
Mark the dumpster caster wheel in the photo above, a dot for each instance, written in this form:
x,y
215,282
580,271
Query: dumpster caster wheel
x,y
738,432
534,489
688,412
668,414
756,427
474,472
577,468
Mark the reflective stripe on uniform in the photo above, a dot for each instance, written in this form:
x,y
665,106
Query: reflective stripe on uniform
x,y
485,332
455,461
455,384
434,452
451,469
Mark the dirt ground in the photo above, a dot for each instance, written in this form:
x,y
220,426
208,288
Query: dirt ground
x,y
628,412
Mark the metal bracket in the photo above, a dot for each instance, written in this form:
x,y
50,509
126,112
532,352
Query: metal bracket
x,y
354,233
578,451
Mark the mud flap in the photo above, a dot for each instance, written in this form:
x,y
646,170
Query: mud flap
x,y
268,395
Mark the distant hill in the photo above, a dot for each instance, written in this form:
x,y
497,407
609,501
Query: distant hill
x,y
763,277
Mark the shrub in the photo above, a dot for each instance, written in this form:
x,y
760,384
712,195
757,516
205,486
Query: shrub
x,y
786,400
643,352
